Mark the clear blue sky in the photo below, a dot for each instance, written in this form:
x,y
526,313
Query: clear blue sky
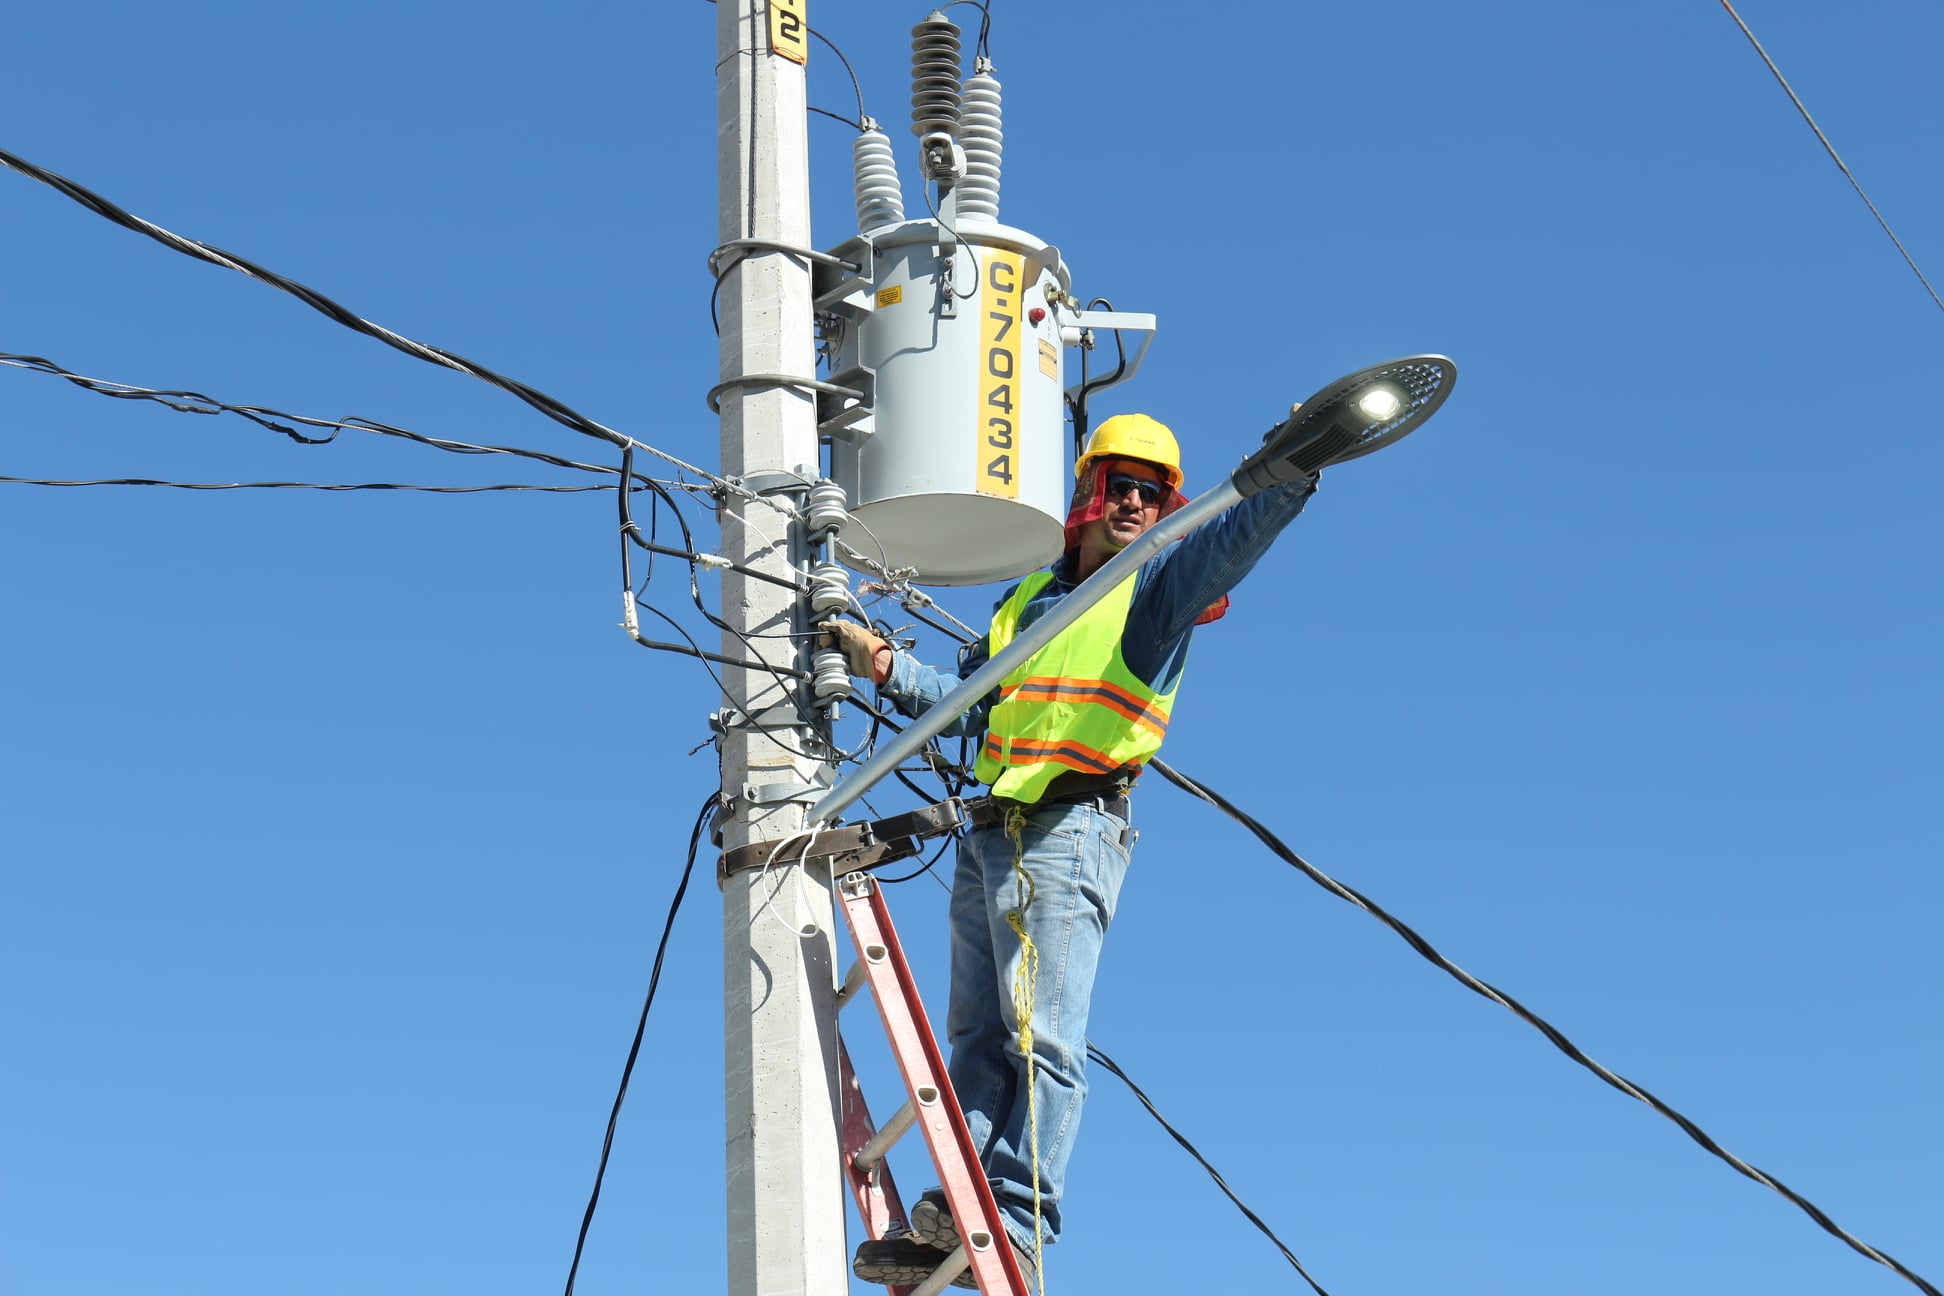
x,y
340,828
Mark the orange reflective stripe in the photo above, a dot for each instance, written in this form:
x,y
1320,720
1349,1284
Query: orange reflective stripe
x,y
1149,715
1032,751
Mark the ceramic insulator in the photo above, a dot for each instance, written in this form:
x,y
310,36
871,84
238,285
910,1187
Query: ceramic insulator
x,y
879,199
935,71
830,678
980,134
829,589
826,509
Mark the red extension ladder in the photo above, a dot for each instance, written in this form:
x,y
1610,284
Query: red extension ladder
x,y
930,1104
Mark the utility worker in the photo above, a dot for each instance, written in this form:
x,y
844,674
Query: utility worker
x,y
1064,739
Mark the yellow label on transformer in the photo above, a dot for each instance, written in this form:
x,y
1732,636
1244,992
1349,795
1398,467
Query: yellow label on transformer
x,y
890,296
789,33
1049,359
1001,345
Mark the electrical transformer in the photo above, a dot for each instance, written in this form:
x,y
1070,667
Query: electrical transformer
x,y
951,331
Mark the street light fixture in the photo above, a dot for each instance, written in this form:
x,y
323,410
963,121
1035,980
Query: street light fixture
x,y
1354,416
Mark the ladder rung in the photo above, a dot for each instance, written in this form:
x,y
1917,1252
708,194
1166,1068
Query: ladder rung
x,y
894,1129
941,1278
853,982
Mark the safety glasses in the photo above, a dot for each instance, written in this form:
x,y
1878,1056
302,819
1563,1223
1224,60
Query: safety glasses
x,y
1151,492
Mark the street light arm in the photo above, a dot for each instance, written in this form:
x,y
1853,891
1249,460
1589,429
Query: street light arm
x,y
1029,641
1329,427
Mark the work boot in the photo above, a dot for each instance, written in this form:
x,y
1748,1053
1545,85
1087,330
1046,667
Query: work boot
x,y
906,1261
898,1262
931,1221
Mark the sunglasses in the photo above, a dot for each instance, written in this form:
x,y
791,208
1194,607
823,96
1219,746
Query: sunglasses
x,y
1151,492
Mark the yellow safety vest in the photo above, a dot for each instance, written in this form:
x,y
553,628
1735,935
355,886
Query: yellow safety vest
x,y
1073,705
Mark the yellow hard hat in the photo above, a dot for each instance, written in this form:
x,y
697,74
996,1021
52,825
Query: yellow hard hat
x,y
1134,436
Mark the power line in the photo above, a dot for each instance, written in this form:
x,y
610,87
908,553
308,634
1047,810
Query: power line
x,y
1095,1055
539,400
192,402
293,485
1831,150
641,1029
1525,1014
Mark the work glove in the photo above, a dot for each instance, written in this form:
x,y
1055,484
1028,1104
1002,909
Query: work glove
x,y
858,645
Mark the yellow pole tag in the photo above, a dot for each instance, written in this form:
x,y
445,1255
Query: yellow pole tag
x,y
1000,352
789,32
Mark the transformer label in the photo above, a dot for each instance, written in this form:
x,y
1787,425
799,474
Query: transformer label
x,y
890,296
1049,359
1001,347
788,31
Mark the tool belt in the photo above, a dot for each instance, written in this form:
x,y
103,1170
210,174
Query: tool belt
x,y
990,812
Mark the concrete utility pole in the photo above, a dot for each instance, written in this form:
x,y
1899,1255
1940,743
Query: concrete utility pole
x,y
786,1215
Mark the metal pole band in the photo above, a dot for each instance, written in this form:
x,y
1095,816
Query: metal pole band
x,y
776,380
747,245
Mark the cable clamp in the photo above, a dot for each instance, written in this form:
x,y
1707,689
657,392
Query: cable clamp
x,y
780,481
784,715
780,792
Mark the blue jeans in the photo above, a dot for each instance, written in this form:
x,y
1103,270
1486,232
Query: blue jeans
x,y
1077,858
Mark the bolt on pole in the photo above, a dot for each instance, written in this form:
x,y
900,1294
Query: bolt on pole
x,y
785,1206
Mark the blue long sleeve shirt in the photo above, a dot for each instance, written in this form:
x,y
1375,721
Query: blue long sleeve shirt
x,y
1171,589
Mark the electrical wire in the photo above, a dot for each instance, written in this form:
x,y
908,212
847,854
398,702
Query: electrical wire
x,y
294,485
777,673
1833,155
929,864
916,602
630,532
556,410
1099,1058
641,1029
190,402
1078,403
984,47
952,786
951,284
834,116
691,649
1552,1033
855,88
631,535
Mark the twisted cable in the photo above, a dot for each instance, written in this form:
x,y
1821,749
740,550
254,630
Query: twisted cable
x,y
1551,1032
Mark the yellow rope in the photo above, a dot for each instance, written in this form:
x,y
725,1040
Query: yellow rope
x,y
1025,977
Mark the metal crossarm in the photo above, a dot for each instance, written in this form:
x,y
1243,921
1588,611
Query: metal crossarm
x,y
930,1106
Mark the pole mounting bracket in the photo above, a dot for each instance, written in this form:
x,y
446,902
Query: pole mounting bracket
x,y
853,847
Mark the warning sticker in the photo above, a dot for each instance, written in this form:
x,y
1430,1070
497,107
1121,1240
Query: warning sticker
x,y
890,296
788,31
1049,359
1000,339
